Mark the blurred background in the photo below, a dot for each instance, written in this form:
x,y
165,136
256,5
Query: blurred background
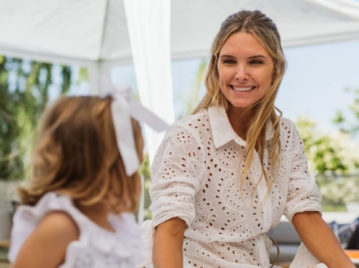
x,y
320,93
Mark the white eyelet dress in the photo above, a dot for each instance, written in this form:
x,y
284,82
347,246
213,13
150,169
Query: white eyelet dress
x,y
195,176
96,246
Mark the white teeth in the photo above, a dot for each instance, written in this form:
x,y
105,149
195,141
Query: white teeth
x,y
242,88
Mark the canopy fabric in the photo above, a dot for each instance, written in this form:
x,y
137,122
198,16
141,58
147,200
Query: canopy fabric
x,y
300,22
95,34
149,32
87,31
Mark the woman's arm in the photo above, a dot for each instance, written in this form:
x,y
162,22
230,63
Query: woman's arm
x,y
320,240
46,245
168,243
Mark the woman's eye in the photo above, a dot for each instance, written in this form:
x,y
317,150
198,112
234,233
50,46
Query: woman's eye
x,y
229,61
256,62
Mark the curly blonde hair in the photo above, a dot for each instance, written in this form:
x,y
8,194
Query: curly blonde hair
x,y
265,31
76,154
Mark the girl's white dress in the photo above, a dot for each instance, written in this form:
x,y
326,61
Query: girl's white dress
x,y
96,247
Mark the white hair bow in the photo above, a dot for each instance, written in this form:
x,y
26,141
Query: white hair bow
x,y
123,107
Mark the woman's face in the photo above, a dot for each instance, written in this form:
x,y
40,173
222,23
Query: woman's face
x,y
245,70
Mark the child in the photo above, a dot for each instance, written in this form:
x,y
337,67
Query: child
x,y
77,209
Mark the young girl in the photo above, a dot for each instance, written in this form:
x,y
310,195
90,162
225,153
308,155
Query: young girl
x,y
226,174
77,209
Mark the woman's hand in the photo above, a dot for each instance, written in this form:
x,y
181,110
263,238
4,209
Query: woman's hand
x,y
168,243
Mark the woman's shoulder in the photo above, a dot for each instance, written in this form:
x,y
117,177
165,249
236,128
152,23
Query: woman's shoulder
x,y
286,122
192,123
287,127
200,116
289,132
184,135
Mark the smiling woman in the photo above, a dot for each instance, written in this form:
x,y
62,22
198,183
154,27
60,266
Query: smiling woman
x,y
245,71
225,175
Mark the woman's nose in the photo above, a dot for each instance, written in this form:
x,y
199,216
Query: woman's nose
x,y
241,73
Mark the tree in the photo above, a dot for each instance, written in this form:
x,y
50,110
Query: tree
x,y
349,124
25,88
334,160
327,153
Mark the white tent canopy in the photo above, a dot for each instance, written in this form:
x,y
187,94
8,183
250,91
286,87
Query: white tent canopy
x,y
86,31
100,33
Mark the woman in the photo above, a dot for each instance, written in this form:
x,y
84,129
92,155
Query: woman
x,y
226,174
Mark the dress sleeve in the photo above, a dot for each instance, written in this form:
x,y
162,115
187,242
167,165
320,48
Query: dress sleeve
x,y
303,194
26,219
175,177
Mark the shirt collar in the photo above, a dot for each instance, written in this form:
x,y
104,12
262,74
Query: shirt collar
x,y
222,130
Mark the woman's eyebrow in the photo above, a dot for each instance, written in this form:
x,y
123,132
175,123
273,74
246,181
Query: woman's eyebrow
x,y
257,56
226,56
250,57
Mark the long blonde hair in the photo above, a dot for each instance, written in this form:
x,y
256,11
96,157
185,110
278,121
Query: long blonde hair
x,y
77,154
263,28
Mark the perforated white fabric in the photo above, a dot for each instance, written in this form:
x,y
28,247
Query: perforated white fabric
x,y
195,176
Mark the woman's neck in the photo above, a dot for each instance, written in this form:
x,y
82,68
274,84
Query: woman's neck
x,y
240,120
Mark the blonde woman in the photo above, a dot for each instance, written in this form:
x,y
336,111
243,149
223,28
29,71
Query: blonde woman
x,y
225,175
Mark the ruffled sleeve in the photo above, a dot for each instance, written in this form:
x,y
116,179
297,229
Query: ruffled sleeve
x,y
27,218
96,246
303,194
175,176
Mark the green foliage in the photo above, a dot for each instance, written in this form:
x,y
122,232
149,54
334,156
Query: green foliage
x,y
350,122
24,90
328,153
83,75
338,191
145,172
334,158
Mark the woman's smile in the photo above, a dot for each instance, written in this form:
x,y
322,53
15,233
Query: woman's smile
x,y
242,89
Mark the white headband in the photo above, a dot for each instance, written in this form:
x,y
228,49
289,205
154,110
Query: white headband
x,y
123,107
